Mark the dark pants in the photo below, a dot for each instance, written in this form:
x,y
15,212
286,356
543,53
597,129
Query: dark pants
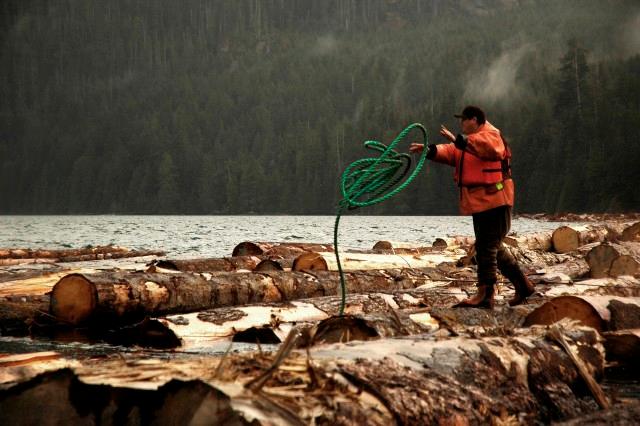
x,y
491,227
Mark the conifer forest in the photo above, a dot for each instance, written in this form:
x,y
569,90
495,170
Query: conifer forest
x,y
256,107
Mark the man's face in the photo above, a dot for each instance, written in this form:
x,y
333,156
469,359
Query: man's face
x,y
469,125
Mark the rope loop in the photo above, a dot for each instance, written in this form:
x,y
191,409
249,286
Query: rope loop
x,y
372,180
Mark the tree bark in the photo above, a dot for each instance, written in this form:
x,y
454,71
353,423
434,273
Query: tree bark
x,y
125,296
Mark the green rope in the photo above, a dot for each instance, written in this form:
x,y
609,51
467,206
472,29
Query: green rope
x,y
369,181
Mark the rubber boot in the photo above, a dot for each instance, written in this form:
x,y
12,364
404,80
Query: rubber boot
x,y
524,287
482,299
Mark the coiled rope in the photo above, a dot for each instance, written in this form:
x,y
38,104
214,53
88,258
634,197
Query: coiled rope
x,y
369,181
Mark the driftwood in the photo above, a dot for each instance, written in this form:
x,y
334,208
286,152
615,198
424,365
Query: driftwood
x,y
223,264
130,296
403,381
600,312
614,259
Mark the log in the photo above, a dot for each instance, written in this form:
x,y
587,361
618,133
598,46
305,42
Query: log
x,y
128,297
623,346
631,232
498,380
19,256
19,313
366,261
568,238
603,313
614,259
371,315
248,248
564,272
537,241
224,264
456,241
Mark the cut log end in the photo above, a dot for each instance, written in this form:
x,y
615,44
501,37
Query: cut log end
x,y
624,265
565,307
383,245
268,265
247,248
310,262
565,239
73,299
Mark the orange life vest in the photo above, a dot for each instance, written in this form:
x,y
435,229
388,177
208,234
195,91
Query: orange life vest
x,y
473,171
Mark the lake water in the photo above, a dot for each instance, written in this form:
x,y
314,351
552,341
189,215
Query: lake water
x,y
215,236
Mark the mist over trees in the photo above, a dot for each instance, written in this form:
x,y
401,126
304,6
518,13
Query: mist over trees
x,y
249,106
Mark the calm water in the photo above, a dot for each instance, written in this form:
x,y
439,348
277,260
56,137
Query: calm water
x,y
213,236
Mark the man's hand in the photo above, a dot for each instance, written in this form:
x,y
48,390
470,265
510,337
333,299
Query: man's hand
x,y
447,133
416,148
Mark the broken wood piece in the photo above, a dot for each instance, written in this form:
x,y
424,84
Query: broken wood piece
x,y
556,333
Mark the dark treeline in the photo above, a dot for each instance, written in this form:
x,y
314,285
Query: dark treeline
x,y
250,106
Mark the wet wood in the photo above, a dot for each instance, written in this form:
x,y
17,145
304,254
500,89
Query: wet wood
x,y
19,313
600,312
614,259
77,298
223,264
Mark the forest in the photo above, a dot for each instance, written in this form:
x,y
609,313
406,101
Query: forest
x,y
256,107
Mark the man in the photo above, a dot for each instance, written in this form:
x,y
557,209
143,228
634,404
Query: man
x,y
482,171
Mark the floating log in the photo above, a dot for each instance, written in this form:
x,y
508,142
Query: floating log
x,y
19,256
614,259
248,248
130,296
365,261
537,241
18,313
223,264
494,380
600,312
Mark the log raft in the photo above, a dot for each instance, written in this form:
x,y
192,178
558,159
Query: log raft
x,y
494,380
